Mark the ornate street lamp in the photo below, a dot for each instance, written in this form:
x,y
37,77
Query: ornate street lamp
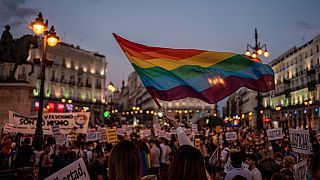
x,y
253,53
40,27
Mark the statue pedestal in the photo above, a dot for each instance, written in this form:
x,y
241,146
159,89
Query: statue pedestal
x,y
16,97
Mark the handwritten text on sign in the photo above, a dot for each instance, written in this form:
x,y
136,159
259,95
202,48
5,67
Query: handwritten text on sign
x,y
76,170
300,141
230,136
300,170
274,134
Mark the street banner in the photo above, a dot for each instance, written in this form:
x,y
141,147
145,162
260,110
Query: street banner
x,y
300,141
76,170
231,136
112,135
66,121
194,128
214,157
274,134
92,136
8,128
55,130
300,170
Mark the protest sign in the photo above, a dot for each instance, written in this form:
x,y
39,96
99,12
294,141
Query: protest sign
x,y
76,170
300,170
23,138
112,135
66,121
102,134
188,131
194,128
55,130
121,131
214,157
145,133
231,136
74,137
173,131
274,134
8,128
92,136
157,129
300,141
162,133
60,139
129,130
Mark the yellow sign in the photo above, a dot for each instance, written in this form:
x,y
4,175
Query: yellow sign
x,y
73,137
112,135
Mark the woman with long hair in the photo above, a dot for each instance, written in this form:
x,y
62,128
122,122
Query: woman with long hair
x,y
124,162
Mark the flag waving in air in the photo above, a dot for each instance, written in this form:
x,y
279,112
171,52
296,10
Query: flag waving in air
x,y
171,74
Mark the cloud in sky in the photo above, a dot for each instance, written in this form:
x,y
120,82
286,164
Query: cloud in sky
x,y
13,14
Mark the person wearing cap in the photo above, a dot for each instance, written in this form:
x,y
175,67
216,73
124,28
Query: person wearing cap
x,y
251,160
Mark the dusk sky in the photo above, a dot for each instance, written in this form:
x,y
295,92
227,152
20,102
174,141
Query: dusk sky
x,y
206,24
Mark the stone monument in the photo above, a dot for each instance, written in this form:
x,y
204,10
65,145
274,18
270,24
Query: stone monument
x,y
15,93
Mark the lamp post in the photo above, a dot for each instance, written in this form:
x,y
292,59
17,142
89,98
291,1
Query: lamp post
x,y
111,87
253,53
278,108
308,103
40,27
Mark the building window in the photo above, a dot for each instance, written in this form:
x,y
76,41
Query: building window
x,y
311,53
317,48
305,54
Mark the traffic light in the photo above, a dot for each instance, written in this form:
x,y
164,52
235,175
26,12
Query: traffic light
x,y
106,114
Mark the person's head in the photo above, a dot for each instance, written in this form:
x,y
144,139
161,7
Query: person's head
x,y
279,159
26,141
315,167
251,160
188,164
235,157
124,161
288,162
7,27
143,147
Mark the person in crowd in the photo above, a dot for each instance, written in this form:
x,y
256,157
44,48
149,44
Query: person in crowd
x,y
237,168
164,166
251,160
315,166
97,170
25,155
188,164
44,163
155,155
144,156
287,164
124,162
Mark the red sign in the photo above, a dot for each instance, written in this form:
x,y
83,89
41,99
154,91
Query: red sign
x,y
50,107
36,105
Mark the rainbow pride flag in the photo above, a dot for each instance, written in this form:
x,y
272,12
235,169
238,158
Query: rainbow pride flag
x,y
171,74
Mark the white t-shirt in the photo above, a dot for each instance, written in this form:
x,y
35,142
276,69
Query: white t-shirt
x,y
256,175
238,171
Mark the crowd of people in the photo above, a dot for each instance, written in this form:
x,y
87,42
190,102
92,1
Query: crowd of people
x,y
179,157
